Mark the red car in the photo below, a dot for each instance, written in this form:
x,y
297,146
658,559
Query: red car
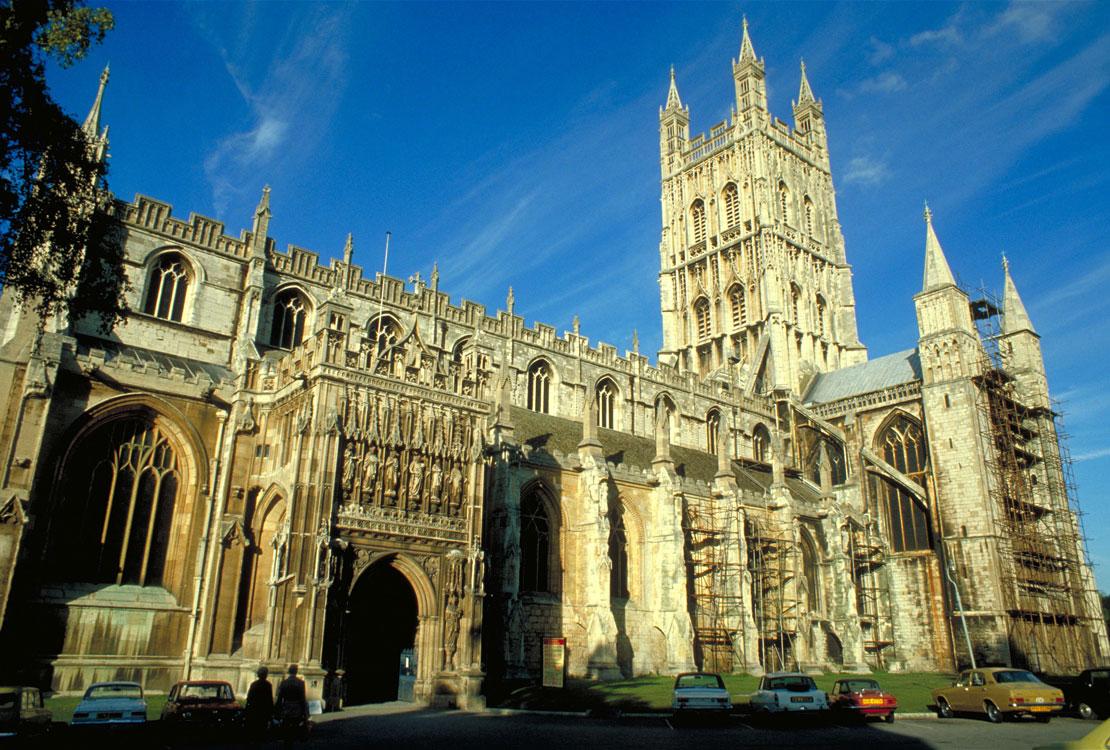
x,y
864,698
202,704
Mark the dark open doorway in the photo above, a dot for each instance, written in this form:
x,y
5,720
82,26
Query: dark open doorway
x,y
380,623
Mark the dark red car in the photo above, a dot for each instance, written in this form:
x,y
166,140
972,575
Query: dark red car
x,y
202,705
862,698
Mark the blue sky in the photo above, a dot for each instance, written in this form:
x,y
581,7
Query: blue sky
x,y
517,144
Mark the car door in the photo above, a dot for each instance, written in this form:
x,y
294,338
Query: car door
x,y
957,695
170,706
977,693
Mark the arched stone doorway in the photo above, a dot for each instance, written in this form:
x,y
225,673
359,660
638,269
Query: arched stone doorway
x,y
380,623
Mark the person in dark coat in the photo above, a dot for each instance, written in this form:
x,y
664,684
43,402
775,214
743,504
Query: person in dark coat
x,y
291,708
260,707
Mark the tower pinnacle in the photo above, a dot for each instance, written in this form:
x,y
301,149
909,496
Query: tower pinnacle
x,y
805,93
747,51
92,122
1014,317
672,94
937,272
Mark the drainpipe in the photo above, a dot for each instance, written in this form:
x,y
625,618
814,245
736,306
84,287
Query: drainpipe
x,y
205,540
959,605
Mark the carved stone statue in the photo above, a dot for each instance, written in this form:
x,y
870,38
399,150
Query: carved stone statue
x,y
350,466
369,471
436,482
454,489
389,476
416,479
451,618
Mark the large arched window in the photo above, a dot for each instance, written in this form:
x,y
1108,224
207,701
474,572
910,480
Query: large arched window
x,y
902,445
606,404
809,588
739,307
731,199
618,553
697,221
535,543
114,525
701,317
167,287
290,312
384,332
761,444
712,429
539,387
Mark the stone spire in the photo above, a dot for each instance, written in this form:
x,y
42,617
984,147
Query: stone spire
x,y
747,51
937,272
261,223
348,249
1014,317
672,94
92,122
805,93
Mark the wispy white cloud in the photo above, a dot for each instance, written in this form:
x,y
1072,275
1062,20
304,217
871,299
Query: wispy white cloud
x,y
884,83
949,34
1032,22
866,170
290,83
1091,455
880,51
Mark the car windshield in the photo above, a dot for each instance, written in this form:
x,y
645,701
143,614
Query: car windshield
x,y
113,690
1015,675
206,692
857,685
794,683
698,681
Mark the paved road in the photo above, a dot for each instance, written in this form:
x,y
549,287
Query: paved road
x,y
402,727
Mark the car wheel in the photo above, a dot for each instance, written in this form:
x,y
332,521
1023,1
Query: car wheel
x,y
1084,710
889,718
944,711
994,716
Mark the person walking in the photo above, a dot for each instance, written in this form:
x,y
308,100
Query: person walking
x,y
260,708
291,708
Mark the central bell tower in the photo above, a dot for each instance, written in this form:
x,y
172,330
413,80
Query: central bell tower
x,y
754,284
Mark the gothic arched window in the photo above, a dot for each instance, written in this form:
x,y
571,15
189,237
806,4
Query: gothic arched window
x,y
731,198
761,444
606,404
820,315
384,332
809,571
795,312
697,221
701,317
618,553
809,216
902,445
739,307
712,430
264,563
784,202
166,290
539,387
290,311
535,543
119,504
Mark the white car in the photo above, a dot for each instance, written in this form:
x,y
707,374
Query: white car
x,y
700,694
787,691
111,703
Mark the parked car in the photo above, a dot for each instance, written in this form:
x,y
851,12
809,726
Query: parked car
x,y
22,713
1088,695
999,692
863,698
1096,739
787,691
700,694
202,704
111,703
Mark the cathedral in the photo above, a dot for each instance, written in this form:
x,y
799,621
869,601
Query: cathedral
x,y
278,460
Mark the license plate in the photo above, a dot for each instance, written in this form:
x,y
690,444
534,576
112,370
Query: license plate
x,y
1042,708
872,701
807,699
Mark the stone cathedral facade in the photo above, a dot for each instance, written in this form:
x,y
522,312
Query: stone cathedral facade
x,y
275,460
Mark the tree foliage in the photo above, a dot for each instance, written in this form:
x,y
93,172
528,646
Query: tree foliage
x,y
59,247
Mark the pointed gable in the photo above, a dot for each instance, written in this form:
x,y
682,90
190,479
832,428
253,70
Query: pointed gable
x,y
1014,317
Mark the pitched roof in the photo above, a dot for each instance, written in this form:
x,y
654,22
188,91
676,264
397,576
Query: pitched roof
x,y
873,375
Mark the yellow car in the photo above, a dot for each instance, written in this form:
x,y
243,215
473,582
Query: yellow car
x,y
999,692
1096,739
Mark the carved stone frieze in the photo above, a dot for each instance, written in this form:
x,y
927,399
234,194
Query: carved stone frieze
x,y
406,524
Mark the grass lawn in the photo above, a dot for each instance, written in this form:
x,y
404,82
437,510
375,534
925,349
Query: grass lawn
x,y
913,691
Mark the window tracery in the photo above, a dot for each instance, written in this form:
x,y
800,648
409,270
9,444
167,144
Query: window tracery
x,y
618,553
167,288
290,312
539,387
697,221
731,197
606,404
535,544
902,444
